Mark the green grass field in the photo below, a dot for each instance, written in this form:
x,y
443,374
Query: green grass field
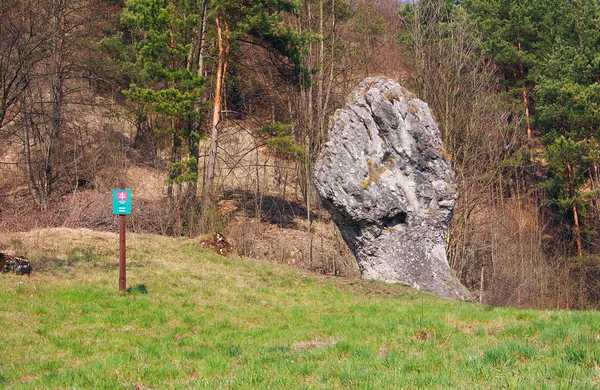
x,y
195,320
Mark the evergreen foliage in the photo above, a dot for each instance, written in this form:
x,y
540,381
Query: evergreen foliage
x,y
549,50
281,141
169,87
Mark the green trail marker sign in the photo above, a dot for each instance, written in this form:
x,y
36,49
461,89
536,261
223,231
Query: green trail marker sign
x,y
122,202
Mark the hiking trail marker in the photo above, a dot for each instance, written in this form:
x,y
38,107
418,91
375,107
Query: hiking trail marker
x,y
122,207
121,202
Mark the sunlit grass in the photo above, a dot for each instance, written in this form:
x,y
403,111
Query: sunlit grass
x,y
192,319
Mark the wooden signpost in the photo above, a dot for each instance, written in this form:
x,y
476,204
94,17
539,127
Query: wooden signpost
x,y
122,207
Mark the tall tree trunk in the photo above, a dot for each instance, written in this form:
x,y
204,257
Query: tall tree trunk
x,y
525,102
321,86
57,100
577,228
31,185
193,146
196,126
174,169
202,38
331,68
577,231
224,49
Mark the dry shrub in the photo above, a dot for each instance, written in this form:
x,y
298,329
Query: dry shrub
x,y
87,209
505,244
90,209
330,254
15,216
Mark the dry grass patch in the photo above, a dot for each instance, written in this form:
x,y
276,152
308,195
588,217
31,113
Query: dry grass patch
x,y
316,343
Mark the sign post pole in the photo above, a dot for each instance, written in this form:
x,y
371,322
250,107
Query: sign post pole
x,y
122,254
122,207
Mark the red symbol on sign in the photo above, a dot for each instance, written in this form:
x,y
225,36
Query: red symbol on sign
x,y
122,197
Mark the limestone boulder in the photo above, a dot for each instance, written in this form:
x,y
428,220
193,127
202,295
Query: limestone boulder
x,y
385,180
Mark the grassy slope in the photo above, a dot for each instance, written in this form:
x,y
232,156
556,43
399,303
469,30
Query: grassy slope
x,y
193,319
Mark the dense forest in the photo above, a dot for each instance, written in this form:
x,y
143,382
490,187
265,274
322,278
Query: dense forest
x,y
213,112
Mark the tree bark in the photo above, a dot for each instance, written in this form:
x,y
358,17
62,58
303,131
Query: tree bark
x,y
57,93
195,122
31,185
321,86
577,229
224,49
577,232
525,102
202,39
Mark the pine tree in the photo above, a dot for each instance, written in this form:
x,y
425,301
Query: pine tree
x,y
568,112
168,88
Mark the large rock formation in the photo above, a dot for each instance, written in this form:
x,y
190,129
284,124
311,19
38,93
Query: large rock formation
x,y
384,179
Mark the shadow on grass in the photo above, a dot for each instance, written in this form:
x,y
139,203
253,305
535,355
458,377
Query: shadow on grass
x,y
139,289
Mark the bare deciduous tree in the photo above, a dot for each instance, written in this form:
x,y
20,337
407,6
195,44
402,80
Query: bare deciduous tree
x,y
480,134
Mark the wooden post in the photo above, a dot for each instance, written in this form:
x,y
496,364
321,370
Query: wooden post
x,y
481,287
122,254
519,298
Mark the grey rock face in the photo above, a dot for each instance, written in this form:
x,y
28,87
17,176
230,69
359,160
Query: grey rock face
x,y
385,181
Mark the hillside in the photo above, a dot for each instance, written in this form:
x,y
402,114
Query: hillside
x,y
193,319
214,113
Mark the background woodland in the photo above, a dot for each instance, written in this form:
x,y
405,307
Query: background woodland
x,y
213,112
